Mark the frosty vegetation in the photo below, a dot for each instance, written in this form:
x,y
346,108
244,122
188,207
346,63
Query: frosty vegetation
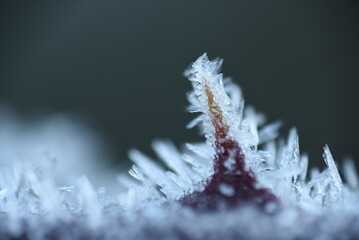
x,y
241,183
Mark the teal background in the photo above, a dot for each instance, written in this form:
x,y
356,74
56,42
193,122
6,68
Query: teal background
x,y
119,65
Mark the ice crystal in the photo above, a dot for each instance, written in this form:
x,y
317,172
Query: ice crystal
x,y
241,183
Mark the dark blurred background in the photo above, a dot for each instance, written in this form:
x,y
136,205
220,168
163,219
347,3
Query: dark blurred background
x,y
119,65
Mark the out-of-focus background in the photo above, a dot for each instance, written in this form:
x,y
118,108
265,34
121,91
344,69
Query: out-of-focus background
x,y
117,65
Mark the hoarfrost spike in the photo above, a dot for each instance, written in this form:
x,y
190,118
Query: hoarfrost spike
x,y
231,183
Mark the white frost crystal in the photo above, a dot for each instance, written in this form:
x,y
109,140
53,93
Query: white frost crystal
x,y
44,195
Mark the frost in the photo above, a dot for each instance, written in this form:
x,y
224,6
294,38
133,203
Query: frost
x,y
351,175
226,189
241,183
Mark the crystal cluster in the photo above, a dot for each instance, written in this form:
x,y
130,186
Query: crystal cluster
x,y
241,183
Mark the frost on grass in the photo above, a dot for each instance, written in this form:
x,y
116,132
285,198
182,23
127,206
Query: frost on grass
x,y
241,183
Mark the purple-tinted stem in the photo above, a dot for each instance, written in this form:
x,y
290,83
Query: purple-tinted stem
x,y
231,184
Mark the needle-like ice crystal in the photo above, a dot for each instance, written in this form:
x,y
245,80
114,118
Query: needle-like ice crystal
x,y
241,183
